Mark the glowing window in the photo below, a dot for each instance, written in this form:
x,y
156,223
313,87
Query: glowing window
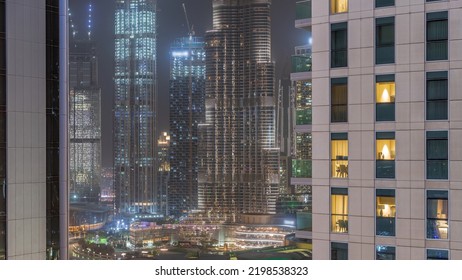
x,y
339,210
385,98
338,6
339,155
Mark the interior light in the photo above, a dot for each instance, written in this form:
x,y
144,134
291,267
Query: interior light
x,y
386,152
385,96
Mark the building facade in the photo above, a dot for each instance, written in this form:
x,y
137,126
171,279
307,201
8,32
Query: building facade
x,y
84,119
239,158
187,111
33,130
135,105
386,80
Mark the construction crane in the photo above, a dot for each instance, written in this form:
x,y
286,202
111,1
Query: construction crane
x,y
190,28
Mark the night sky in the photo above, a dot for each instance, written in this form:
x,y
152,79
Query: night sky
x,y
171,25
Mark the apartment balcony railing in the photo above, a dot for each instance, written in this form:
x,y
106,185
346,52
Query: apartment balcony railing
x,y
301,63
301,168
303,10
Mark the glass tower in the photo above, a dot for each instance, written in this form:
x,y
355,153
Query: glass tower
x,y
135,105
239,157
84,120
187,93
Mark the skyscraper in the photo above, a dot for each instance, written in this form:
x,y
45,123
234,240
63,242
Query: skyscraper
x,y
187,111
84,117
33,130
135,105
163,172
239,160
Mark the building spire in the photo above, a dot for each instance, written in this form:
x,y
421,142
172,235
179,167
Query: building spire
x,y
90,24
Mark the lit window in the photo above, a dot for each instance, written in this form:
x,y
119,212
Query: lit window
x,y
437,215
339,155
385,97
339,210
385,155
386,212
338,6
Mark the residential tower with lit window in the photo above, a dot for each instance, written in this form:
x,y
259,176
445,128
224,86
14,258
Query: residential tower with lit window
x,y
385,129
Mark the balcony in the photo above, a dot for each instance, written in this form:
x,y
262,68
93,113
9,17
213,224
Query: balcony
x,y
301,63
304,221
301,168
303,14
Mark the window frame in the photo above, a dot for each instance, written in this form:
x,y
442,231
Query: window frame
x,y
331,7
383,5
334,82
390,78
426,213
432,17
334,28
340,191
384,22
432,77
447,159
437,249
385,193
389,246
343,136
385,135
339,244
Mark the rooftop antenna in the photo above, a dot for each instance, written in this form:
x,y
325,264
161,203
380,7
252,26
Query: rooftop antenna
x,y
190,29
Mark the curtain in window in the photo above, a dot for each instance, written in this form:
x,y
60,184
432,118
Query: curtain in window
x,y
437,36
339,101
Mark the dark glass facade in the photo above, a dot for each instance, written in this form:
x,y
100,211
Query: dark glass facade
x,y
52,129
187,111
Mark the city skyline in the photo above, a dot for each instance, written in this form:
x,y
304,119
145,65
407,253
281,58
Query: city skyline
x,y
172,25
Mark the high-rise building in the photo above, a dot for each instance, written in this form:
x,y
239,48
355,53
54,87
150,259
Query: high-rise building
x,y
187,111
33,129
239,157
135,105
163,172
386,91
84,118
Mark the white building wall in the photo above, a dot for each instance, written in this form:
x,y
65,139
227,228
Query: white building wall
x,y
410,126
26,128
